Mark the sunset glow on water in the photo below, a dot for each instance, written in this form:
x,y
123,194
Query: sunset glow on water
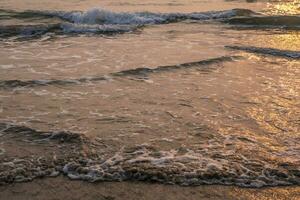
x,y
183,92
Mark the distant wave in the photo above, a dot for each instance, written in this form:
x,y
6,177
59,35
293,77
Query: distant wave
x,y
101,21
268,51
100,16
289,22
137,72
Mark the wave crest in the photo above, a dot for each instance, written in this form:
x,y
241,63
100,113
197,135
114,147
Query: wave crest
x,y
101,21
267,51
271,21
101,16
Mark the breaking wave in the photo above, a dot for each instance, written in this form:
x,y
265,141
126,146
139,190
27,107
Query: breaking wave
x,y
100,16
102,21
143,162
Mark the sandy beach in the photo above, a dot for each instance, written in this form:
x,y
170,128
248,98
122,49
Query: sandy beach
x,y
61,188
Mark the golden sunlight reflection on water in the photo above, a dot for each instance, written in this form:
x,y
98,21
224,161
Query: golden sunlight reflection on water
x,y
288,41
285,8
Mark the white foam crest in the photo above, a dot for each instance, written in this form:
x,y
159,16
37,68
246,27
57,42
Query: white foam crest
x,y
97,20
101,16
184,168
86,28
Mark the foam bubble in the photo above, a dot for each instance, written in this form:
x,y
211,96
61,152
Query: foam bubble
x,y
145,163
102,29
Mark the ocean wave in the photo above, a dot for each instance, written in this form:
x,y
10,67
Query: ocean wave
x,y
26,168
268,51
38,136
28,30
145,71
95,28
146,163
63,28
290,22
137,73
9,84
101,16
142,162
102,21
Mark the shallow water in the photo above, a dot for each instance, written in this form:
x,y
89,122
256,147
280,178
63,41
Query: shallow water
x,y
179,92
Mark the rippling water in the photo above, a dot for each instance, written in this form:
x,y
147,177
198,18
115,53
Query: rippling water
x,y
179,92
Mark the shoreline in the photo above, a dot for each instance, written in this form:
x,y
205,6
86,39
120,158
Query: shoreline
x,y
64,188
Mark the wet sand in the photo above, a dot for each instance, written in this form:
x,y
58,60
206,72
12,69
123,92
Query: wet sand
x,y
62,188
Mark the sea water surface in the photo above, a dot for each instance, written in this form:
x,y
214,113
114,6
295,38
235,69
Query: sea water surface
x,y
184,92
